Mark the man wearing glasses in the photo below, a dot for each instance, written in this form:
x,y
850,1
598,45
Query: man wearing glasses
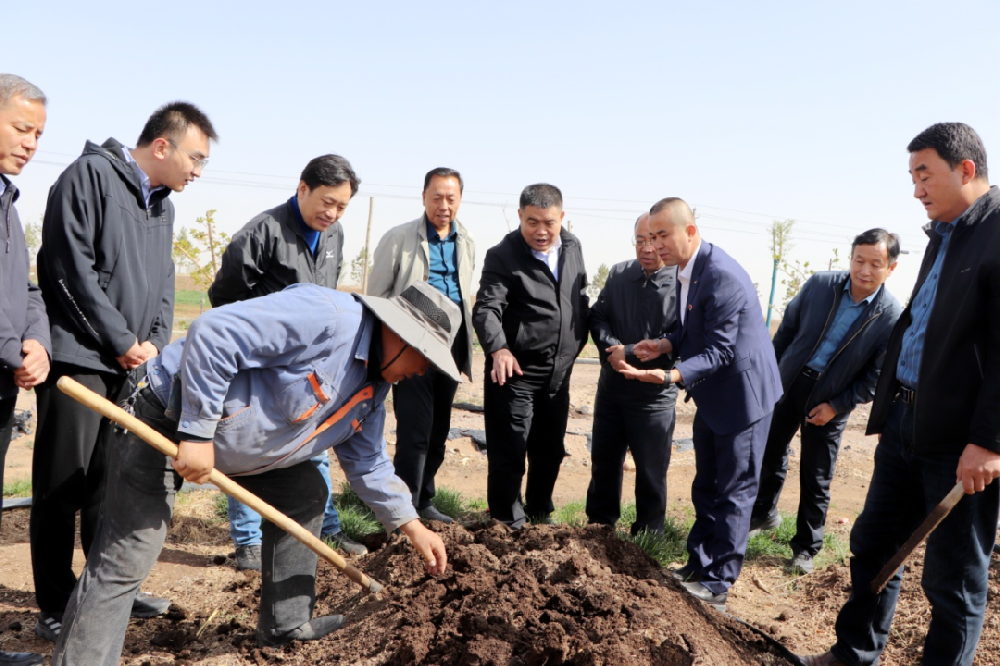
x,y
107,278
633,411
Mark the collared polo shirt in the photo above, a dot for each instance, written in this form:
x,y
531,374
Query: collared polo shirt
x,y
847,313
443,269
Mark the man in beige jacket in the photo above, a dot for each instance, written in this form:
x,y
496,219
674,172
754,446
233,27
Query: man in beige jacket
x,y
437,249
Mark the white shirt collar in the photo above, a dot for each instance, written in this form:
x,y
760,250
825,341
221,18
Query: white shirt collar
x,y
684,274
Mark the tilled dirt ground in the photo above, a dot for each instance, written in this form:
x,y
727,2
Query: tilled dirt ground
x,y
547,595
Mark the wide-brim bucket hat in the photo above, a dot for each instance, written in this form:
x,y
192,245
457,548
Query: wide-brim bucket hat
x,y
425,319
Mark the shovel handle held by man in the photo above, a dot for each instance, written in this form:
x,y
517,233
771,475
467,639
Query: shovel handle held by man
x,y
115,413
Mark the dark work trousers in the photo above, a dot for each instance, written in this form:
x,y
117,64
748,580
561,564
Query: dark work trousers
x,y
727,469
636,416
818,460
135,518
905,487
523,417
422,405
67,475
6,431
423,419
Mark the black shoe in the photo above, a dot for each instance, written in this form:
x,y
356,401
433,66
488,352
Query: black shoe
x,y
48,626
346,544
146,605
248,557
314,629
801,563
21,659
770,522
825,659
686,573
699,591
431,512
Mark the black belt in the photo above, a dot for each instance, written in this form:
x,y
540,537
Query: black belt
x,y
907,395
810,373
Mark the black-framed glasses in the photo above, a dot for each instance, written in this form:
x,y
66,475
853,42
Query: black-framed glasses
x,y
199,163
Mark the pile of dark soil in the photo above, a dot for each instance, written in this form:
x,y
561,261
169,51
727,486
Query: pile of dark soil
x,y
544,595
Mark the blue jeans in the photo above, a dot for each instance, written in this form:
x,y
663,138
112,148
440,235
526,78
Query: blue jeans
x,y
244,522
905,487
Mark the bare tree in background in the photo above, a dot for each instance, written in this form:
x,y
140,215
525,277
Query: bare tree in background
x,y
199,249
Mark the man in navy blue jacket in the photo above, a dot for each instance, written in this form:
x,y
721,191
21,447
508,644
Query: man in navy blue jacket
x,y
727,365
830,347
24,326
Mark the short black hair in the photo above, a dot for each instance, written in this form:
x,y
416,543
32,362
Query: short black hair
x,y
954,143
876,237
171,121
444,172
541,195
330,170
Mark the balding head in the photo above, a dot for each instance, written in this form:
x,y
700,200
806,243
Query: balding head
x,y
673,230
680,212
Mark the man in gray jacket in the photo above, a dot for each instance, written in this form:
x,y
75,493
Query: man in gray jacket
x,y
299,241
830,347
24,327
435,248
107,276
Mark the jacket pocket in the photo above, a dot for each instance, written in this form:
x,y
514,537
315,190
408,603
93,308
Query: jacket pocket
x,y
301,400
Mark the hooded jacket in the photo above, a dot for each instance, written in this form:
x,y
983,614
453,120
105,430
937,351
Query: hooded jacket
x,y
958,392
269,253
22,311
849,377
105,266
522,307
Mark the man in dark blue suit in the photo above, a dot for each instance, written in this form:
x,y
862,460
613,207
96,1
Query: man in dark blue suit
x,y
727,365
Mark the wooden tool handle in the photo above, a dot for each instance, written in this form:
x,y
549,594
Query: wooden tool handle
x,y
930,523
115,413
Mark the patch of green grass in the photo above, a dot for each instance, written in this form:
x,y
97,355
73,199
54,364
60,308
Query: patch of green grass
x,y
573,514
356,519
18,488
835,551
221,503
191,298
772,544
449,502
665,548
358,522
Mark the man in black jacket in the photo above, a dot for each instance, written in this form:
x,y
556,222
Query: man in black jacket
x,y
24,327
937,411
531,320
299,241
107,277
830,347
638,302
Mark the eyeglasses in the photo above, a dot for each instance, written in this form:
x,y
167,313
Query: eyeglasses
x,y
643,243
198,163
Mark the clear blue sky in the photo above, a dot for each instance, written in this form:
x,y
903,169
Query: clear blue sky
x,y
750,111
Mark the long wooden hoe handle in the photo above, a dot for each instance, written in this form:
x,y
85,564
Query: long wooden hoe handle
x,y
930,523
115,413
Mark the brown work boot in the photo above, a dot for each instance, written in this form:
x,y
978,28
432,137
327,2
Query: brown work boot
x,y
825,659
